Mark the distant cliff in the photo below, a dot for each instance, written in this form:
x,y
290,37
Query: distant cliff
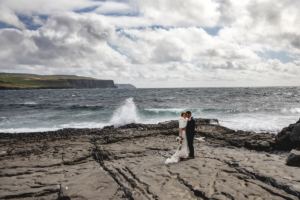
x,y
125,86
83,83
10,81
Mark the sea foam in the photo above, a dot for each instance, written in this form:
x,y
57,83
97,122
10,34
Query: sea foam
x,y
125,114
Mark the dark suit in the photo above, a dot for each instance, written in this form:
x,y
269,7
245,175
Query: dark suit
x,y
190,133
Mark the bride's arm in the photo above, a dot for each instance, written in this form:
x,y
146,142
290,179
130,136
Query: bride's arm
x,y
181,126
184,126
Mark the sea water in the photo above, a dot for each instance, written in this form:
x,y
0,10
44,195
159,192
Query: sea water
x,y
266,109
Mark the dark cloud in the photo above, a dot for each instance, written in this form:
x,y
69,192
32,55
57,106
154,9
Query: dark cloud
x,y
269,11
296,42
10,37
228,65
227,16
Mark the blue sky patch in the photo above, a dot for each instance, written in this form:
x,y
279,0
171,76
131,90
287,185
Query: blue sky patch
x,y
281,55
122,33
116,49
3,25
212,31
28,21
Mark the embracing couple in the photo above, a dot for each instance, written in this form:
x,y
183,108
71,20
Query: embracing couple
x,y
187,126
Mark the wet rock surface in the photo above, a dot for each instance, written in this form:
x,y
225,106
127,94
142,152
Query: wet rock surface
x,y
289,137
295,135
128,163
293,159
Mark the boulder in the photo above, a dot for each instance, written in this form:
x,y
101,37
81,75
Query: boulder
x,y
283,138
264,144
295,135
293,158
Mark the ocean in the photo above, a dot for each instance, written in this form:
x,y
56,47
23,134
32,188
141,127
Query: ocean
x,y
265,109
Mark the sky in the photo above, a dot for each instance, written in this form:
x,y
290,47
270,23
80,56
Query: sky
x,y
157,43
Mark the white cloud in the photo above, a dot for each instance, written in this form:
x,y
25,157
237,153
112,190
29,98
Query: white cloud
x,y
263,25
47,7
37,20
180,13
180,45
67,42
164,13
9,17
268,25
112,7
181,53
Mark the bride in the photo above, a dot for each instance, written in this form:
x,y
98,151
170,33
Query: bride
x,y
183,153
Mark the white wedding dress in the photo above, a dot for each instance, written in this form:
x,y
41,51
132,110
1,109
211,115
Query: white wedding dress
x,y
183,153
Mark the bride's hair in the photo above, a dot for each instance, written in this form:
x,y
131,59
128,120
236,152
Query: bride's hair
x,y
182,113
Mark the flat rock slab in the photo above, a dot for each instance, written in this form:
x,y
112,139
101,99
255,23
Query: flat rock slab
x,y
63,169
216,173
129,164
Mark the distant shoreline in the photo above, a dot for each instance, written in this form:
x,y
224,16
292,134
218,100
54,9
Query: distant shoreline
x,y
60,88
41,88
51,88
10,81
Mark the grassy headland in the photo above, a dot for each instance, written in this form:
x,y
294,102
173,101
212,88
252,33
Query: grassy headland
x,y
32,81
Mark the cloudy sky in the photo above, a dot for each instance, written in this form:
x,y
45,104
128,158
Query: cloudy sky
x,y
157,43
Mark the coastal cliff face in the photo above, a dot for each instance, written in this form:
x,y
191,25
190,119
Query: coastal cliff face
x,y
83,83
10,81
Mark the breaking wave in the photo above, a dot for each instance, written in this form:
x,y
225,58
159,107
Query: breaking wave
x,y
125,114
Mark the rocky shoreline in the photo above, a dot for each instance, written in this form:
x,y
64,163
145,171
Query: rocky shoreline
x,y
128,163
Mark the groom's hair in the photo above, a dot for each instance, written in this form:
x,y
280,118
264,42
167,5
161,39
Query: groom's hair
x,y
188,112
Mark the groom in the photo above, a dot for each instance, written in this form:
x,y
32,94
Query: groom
x,y
190,133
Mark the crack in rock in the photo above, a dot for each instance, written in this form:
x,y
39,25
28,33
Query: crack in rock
x,y
197,193
99,157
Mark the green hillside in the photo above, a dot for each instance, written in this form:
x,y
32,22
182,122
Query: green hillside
x,y
37,81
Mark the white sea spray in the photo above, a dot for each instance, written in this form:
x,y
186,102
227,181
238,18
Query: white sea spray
x,y
125,114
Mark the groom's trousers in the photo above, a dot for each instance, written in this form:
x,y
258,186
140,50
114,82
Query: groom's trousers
x,y
190,140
